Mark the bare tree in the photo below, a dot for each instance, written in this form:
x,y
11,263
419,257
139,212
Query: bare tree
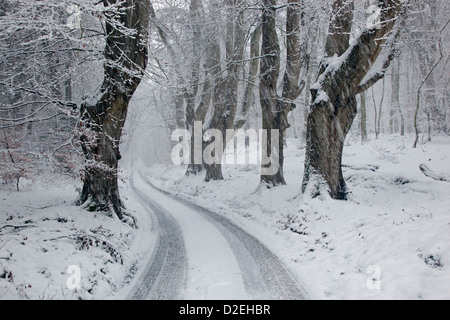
x,y
225,102
275,107
425,81
101,122
37,109
334,104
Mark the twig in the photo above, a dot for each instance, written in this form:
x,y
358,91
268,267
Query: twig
x,y
5,243
409,215
17,227
39,208
85,241
368,167
433,175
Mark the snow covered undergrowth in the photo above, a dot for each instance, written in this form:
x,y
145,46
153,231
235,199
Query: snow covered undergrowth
x,y
51,249
391,240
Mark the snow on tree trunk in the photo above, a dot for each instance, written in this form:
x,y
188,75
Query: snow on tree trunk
x,y
334,106
101,122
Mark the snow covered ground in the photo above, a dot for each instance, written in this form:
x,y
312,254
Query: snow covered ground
x,y
390,241
51,249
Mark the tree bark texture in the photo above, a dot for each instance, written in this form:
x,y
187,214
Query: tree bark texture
x,y
101,123
334,106
225,101
363,117
276,108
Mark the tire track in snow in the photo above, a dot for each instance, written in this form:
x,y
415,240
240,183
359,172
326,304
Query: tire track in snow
x,y
265,277
164,276
264,274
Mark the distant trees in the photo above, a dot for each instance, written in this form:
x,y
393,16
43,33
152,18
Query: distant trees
x,y
37,113
423,106
210,38
16,162
433,112
418,41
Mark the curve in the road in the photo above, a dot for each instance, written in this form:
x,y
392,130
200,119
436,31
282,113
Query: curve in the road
x,y
264,275
165,275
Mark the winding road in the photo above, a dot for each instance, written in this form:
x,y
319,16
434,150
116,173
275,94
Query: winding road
x,y
201,255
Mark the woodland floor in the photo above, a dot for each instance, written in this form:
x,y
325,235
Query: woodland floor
x,y
391,240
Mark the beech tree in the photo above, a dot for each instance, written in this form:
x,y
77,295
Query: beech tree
x,y
209,38
226,81
101,121
276,107
334,106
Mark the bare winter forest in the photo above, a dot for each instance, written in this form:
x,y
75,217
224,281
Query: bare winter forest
x,y
340,90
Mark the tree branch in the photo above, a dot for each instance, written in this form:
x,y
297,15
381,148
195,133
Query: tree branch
x,y
17,228
379,75
391,56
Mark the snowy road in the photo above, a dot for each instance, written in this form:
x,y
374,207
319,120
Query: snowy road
x,y
164,276
201,255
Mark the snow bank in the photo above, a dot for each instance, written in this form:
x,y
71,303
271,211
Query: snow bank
x,y
50,249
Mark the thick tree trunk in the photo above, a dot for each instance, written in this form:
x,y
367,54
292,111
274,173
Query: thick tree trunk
x,y
334,108
329,125
276,108
226,89
275,124
213,172
194,167
340,27
101,123
193,117
179,112
100,142
272,117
